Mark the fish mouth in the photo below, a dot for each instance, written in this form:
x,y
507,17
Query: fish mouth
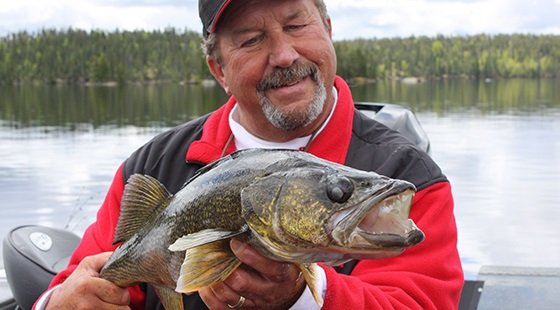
x,y
378,223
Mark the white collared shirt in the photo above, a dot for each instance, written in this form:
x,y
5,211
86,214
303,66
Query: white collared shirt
x,y
245,140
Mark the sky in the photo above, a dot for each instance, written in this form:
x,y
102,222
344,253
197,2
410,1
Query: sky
x,y
351,18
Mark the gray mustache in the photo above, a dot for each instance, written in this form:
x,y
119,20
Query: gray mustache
x,y
284,76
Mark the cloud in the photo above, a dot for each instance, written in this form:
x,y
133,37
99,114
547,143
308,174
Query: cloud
x,y
351,18
365,18
107,15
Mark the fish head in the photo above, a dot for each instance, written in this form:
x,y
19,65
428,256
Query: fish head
x,y
331,209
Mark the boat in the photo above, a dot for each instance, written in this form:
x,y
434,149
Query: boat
x,y
399,118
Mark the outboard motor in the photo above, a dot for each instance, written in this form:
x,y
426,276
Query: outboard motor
x,y
33,255
398,118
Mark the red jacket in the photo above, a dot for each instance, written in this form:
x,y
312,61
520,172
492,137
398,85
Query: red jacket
x,y
426,276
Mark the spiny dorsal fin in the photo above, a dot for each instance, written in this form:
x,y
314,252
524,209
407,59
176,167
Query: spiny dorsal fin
x,y
207,168
143,195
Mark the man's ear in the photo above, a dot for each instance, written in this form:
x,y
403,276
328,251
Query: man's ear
x,y
329,26
217,71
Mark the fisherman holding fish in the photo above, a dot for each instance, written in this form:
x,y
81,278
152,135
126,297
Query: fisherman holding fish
x,y
277,61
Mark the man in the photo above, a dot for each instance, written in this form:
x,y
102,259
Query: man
x,y
276,59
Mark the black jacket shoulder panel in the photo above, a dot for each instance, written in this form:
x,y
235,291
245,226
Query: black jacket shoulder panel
x,y
375,147
163,157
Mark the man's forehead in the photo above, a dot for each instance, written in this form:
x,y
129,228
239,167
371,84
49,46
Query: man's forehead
x,y
242,20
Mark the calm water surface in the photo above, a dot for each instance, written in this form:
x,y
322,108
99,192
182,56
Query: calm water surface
x,y
498,142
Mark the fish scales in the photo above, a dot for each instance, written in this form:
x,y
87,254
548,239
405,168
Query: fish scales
x,y
290,205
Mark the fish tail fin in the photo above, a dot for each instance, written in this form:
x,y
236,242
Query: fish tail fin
x,y
310,275
205,265
143,196
170,299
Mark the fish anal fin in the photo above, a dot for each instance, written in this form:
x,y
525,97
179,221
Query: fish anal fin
x,y
310,275
205,265
143,196
170,299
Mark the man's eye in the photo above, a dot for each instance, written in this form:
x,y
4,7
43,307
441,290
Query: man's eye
x,y
294,27
249,42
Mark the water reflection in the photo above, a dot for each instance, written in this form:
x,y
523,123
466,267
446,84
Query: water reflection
x,y
77,108
513,97
504,170
497,142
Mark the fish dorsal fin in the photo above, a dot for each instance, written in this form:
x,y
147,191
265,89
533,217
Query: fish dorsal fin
x,y
143,196
206,168
205,265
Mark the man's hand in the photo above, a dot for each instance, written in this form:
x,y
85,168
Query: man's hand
x,y
263,283
83,289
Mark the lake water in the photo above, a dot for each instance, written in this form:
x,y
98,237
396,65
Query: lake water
x,y
498,142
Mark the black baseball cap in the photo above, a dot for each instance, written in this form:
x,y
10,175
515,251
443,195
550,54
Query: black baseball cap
x,y
210,11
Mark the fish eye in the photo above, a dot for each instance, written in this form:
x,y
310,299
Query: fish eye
x,y
340,189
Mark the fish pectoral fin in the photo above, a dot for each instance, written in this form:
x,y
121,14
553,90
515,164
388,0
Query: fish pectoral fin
x,y
170,299
205,265
310,275
204,237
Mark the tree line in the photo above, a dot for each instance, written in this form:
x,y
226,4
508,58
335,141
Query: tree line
x,y
78,56
478,56
81,56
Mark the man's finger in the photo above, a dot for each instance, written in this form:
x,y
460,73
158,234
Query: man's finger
x,y
268,268
95,263
106,291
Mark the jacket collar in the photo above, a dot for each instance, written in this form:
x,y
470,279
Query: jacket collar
x,y
331,144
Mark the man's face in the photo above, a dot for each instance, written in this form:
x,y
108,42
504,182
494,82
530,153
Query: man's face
x,y
277,57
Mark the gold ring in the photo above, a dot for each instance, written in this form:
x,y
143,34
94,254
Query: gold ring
x,y
239,303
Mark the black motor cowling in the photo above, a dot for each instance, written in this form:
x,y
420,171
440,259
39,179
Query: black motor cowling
x,y
33,255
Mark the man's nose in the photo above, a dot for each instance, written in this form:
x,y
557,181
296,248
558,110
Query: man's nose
x,y
283,52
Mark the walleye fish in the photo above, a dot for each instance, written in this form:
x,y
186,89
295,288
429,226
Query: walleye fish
x,y
290,205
